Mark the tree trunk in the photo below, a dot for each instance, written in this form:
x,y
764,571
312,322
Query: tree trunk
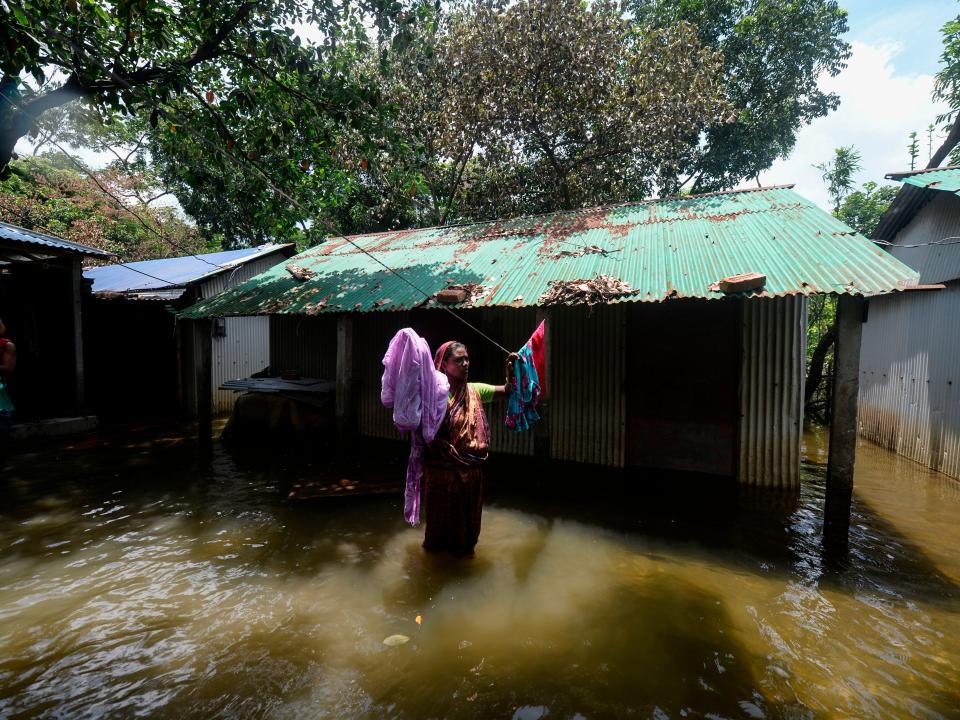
x,y
16,118
952,139
819,357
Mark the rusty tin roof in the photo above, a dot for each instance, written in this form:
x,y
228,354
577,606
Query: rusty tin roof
x,y
672,248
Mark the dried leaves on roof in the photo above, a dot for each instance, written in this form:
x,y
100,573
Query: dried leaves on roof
x,y
599,290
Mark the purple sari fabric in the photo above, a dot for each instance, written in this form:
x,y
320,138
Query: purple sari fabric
x,y
417,393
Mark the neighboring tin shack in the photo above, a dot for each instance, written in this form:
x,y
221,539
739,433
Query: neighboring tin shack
x,y
910,361
677,375
140,363
40,303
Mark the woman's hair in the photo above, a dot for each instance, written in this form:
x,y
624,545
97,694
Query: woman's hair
x,y
451,348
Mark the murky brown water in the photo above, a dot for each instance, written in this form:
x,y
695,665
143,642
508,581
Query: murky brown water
x,y
136,581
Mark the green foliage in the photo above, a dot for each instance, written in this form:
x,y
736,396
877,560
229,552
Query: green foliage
x,y
862,209
224,101
947,82
48,194
774,52
838,173
537,105
913,149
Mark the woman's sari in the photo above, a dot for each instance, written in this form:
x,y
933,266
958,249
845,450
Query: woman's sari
x,y
453,493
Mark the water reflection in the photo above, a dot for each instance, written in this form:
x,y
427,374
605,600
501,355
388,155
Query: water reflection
x,y
136,579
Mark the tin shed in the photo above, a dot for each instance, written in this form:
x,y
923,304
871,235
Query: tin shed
x,y
40,302
910,362
676,374
142,363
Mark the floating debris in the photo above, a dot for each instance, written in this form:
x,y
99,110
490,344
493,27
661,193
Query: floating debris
x,y
601,289
299,272
418,619
395,640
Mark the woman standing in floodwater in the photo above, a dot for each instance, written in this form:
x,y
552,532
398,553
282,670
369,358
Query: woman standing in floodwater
x,y
453,476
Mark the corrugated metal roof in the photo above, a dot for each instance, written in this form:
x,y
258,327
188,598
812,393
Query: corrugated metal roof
x,y
663,248
171,272
946,178
18,234
913,197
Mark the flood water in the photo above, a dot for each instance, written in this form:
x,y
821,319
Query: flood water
x,y
138,580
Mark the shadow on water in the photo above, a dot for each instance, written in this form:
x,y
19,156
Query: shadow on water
x,y
658,649
756,530
148,581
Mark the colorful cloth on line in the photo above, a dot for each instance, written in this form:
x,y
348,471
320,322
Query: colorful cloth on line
x,y
417,393
526,390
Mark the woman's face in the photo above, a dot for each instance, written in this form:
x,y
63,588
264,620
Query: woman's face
x,y
457,366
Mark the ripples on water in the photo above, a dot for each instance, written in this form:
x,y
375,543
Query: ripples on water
x,y
135,581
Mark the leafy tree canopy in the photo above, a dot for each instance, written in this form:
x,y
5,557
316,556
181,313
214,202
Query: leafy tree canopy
x,y
537,105
838,173
774,53
862,209
48,194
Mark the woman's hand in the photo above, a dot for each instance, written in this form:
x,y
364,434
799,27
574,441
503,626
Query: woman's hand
x,y
511,359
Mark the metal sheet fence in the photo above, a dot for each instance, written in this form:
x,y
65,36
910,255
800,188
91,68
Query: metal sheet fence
x,y
771,391
588,406
909,368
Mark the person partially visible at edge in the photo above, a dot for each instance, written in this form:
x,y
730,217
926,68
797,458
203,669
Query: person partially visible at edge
x,y
8,363
453,476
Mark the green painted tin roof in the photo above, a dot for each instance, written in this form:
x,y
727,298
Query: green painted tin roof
x,y
946,179
662,248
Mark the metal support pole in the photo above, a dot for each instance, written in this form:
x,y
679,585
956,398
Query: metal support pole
x,y
843,428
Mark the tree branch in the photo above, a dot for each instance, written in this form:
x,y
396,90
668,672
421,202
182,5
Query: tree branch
x,y
953,137
22,119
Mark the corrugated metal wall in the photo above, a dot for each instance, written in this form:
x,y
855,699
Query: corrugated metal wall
x,y
587,398
242,351
937,220
909,363
304,345
371,335
771,391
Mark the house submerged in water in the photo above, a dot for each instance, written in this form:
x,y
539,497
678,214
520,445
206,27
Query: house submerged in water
x,y
910,363
677,375
136,302
41,290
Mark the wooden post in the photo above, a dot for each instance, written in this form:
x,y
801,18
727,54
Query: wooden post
x,y
843,428
344,376
541,431
203,343
76,287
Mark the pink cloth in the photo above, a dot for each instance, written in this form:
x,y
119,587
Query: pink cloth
x,y
417,393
